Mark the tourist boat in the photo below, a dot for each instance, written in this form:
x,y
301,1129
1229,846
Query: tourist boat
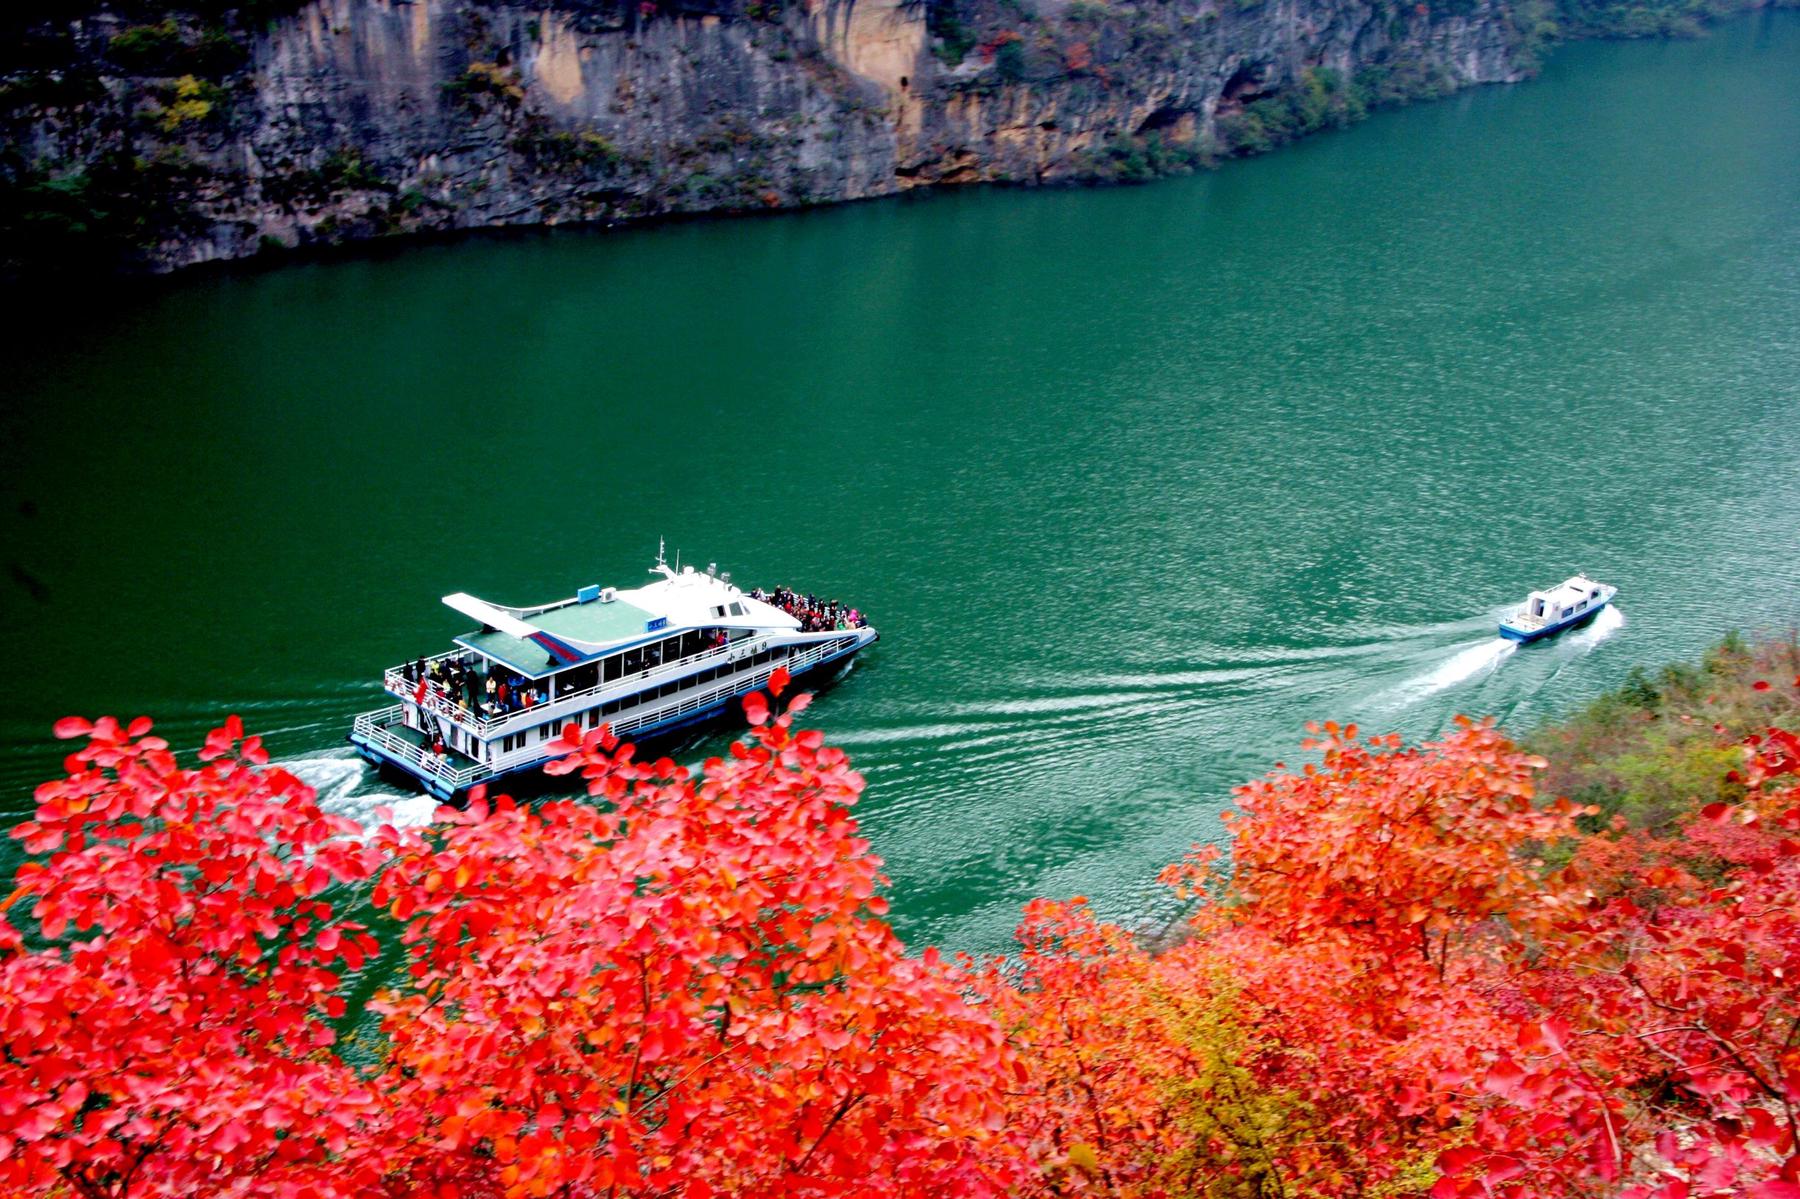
x,y
1543,613
645,661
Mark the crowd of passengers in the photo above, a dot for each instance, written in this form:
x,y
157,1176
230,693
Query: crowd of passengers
x,y
814,614
497,692
492,692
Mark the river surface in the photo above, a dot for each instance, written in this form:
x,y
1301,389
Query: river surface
x,y
1134,482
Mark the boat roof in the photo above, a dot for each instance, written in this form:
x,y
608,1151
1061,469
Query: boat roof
x,y
540,641
1571,590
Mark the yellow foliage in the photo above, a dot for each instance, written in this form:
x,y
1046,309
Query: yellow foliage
x,y
192,102
1227,1116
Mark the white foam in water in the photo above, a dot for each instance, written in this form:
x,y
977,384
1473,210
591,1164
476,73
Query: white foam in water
x,y
1484,657
1610,621
332,778
350,787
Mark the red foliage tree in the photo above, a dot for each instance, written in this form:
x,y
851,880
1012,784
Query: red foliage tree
x,y
170,1034
684,989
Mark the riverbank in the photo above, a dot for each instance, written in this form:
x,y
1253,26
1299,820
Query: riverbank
x,y
145,138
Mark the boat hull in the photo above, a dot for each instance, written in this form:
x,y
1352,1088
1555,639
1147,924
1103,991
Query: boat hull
x,y
1524,636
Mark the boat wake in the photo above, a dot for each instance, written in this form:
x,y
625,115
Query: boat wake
x,y
348,786
1480,659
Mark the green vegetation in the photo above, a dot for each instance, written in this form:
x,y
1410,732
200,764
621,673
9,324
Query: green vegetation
x,y
484,81
1666,744
564,152
99,219
1640,18
1140,159
343,170
1010,61
168,48
1320,99
954,38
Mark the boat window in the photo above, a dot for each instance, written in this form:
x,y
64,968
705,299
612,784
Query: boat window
x,y
718,610
737,609
614,667
578,679
634,661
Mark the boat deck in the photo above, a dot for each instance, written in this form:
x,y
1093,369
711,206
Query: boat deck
x,y
454,759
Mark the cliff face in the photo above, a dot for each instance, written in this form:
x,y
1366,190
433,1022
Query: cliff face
x,y
181,141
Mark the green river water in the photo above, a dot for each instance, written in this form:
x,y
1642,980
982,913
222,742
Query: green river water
x,y
1134,482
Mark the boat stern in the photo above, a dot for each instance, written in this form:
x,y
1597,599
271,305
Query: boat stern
x,y
383,739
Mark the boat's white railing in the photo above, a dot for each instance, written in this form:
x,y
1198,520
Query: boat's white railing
x,y
439,702
811,656
377,729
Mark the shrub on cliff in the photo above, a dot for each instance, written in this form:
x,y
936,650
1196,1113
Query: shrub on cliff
x,y
1658,749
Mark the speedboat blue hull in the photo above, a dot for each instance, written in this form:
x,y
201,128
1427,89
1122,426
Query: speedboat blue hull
x,y
1524,636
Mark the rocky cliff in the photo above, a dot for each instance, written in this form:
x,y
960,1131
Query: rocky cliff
x,y
157,139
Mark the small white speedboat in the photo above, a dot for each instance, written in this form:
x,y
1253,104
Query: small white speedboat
x,y
1574,602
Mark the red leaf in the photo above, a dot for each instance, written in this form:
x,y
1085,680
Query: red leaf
x,y
756,708
1775,1189
778,680
72,726
1760,685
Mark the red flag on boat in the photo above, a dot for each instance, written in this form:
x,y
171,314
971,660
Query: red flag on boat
x,y
419,692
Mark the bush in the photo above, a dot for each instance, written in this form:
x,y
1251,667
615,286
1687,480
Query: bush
x,y
954,38
1658,749
1010,61
482,82
166,48
190,101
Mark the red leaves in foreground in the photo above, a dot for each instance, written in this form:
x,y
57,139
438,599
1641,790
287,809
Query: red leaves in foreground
x,y
1391,995
171,1037
685,989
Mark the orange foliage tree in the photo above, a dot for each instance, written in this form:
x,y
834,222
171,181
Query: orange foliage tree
x,y
1391,993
